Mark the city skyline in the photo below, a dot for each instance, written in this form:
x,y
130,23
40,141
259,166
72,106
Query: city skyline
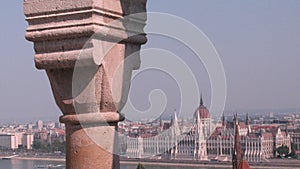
x,y
181,141
257,43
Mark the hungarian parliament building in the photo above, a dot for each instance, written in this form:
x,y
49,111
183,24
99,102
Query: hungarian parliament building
x,y
199,138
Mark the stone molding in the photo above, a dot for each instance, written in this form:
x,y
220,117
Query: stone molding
x,y
92,118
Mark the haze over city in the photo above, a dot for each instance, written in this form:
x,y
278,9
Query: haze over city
x,y
258,43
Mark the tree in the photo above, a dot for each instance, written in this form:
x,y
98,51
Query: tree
x,y
282,150
140,166
294,148
41,146
57,146
37,145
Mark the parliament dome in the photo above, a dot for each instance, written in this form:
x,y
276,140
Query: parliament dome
x,y
202,110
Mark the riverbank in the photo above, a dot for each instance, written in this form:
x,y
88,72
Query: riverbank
x,y
272,164
173,164
41,158
60,159
212,166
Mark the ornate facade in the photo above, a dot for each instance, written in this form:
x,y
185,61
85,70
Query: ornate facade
x,y
170,140
295,139
257,145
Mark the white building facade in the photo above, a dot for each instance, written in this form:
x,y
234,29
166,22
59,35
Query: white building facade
x,y
171,142
8,141
27,140
199,143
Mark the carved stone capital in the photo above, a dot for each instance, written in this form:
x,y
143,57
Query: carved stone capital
x,y
63,30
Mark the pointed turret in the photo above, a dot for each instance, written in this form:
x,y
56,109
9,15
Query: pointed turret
x,y
175,116
175,133
161,124
236,120
247,119
248,123
199,124
223,120
171,121
175,124
200,150
201,101
223,124
237,156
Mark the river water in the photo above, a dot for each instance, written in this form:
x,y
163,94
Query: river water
x,y
127,166
33,164
26,164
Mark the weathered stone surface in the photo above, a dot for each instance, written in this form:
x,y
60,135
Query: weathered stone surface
x,y
74,36
61,28
84,153
37,7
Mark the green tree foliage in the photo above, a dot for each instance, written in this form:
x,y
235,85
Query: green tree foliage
x,y
41,146
282,150
57,146
140,166
294,148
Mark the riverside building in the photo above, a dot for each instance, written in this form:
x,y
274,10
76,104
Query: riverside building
x,y
196,140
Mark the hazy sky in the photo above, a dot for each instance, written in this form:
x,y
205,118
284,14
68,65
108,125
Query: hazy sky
x,y
258,42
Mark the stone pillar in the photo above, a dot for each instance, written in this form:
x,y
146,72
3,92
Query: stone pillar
x,y
72,36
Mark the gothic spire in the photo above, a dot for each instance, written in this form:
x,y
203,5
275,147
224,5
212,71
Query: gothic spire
x,y
223,120
237,154
175,117
248,124
201,100
236,119
247,119
175,124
